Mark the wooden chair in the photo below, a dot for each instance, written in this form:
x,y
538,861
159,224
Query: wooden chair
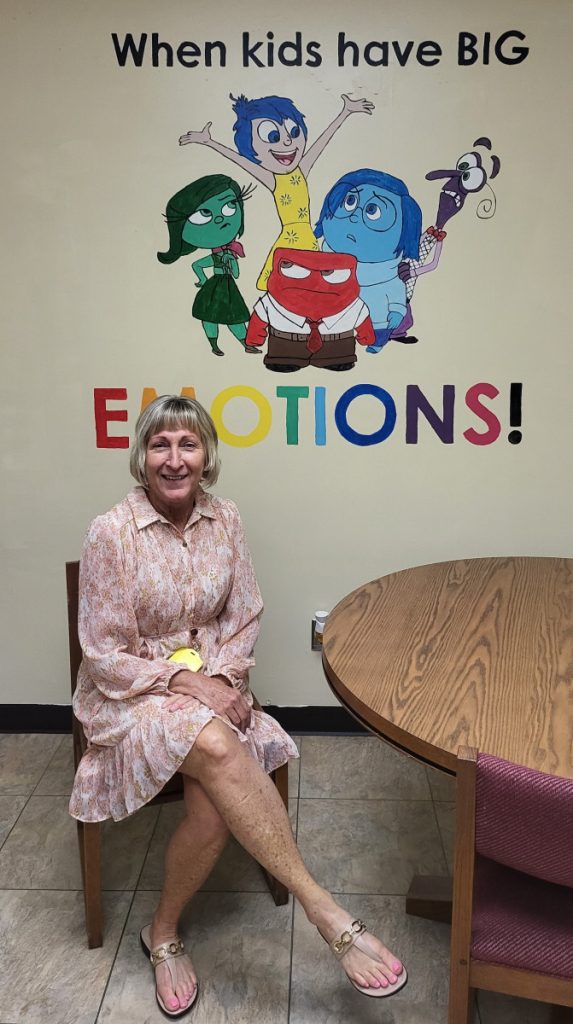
x,y
89,833
512,914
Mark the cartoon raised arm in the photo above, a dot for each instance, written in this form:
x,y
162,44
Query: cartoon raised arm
x,y
349,107
270,136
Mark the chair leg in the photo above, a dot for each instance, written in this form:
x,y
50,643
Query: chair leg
x,y
89,840
462,998
279,891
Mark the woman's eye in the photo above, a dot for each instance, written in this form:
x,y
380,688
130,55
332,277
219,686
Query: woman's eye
x,y
268,131
473,179
229,209
373,211
293,270
336,276
292,128
350,201
467,161
200,217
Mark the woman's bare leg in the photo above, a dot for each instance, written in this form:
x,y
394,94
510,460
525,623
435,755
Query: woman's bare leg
x,y
193,850
254,812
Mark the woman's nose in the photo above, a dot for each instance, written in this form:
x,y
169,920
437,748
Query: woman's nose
x,y
174,455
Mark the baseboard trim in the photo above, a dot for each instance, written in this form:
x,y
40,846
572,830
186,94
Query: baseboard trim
x,y
57,718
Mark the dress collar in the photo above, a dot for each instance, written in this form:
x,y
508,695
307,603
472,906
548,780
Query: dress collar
x,y
144,513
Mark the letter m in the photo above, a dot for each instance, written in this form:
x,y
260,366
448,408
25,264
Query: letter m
x,y
129,48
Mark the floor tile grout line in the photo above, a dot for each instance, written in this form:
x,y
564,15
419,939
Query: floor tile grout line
x,y
16,820
442,844
47,767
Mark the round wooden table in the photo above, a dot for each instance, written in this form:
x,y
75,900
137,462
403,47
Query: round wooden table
x,y
474,653
466,653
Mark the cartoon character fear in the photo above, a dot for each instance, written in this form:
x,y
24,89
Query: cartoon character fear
x,y
372,215
466,178
312,312
271,136
208,214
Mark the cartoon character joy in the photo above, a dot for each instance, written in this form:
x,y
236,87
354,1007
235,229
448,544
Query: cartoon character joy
x,y
271,138
372,215
312,312
209,214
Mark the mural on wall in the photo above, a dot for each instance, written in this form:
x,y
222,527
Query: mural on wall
x,y
367,214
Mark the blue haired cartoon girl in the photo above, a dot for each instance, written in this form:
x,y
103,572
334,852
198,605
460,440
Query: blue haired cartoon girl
x,y
372,216
270,136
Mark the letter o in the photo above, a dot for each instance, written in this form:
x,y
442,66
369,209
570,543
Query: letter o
x,y
353,435
265,416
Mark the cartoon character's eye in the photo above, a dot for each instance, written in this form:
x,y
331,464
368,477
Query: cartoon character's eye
x,y
350,201
200,217
473,179
466,161
336,276
292,127
293,269
268,131
229,209
372,211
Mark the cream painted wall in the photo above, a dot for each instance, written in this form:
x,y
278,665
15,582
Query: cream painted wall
x,y
90,158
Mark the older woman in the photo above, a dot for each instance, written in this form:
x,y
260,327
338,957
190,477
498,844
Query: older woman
x,y
168,568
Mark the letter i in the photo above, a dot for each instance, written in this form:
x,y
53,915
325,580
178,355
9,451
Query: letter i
x,y
320,416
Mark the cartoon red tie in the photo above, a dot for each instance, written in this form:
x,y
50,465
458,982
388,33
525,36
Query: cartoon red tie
x,y
314,342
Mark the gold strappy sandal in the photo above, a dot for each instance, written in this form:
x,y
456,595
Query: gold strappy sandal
x,y
351,937
162,954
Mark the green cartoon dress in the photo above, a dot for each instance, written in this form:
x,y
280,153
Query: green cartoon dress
x,y
293,207
219,301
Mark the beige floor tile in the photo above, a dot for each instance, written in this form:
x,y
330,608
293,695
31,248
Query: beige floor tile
x,y
320,993
41,851
24,758
10,807
58,777
240,945
49,975
235,871
294,770
369,846
442,785
499,1009
361,768
446,815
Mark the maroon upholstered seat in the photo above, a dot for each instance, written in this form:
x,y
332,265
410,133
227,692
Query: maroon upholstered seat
x,y
512,914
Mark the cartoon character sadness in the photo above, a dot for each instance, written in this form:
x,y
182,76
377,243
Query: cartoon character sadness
x,y
371,215
271,137
312,312
209,214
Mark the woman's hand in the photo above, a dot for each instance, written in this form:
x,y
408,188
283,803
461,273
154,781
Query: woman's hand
x,y
211,691
203,137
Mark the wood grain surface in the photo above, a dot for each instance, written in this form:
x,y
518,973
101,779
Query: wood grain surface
x,y
472,653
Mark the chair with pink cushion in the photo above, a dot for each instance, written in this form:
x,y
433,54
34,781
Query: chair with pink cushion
x,y
512,915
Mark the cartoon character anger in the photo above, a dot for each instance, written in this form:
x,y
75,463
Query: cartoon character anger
x,y
312,312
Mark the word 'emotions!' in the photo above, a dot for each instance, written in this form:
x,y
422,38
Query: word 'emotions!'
x,y
296,405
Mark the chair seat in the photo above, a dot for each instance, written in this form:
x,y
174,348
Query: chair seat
x,y
509,904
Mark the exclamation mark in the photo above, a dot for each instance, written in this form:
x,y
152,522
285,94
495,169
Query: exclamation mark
x,y
515,393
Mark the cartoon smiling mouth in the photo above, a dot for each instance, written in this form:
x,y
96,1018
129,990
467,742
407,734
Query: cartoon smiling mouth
x,y
284,158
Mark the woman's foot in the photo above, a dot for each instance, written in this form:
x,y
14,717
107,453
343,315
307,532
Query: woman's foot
x,y
368,963
175,979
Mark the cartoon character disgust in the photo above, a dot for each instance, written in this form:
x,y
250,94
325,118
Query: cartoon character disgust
x,y
313,285
215,223
367,223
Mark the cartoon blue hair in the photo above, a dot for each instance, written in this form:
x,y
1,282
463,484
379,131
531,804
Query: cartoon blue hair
x,y
409,242
277,108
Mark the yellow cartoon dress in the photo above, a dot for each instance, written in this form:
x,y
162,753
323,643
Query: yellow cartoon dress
x,y
293,207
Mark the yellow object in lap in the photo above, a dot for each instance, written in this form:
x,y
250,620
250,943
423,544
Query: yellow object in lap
x,y
188,657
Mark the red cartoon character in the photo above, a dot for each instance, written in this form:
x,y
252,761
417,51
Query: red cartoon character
x,y
312,312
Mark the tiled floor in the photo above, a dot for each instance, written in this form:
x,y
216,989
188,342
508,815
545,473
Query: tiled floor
x,y
366,819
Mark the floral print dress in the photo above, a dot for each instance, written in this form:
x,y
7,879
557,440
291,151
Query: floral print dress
x,y
145,590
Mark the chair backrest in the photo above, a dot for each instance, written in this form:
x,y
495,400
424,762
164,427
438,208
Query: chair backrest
x,y
524,819
75,651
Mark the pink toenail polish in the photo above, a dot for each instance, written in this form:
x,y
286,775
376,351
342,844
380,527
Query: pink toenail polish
x,y
384,983
397,966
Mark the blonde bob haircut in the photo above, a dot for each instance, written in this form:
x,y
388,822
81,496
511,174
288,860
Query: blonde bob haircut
x,y
172,412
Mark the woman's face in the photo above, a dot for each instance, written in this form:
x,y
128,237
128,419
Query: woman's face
x,y
174,465
367,224
216,222
279,147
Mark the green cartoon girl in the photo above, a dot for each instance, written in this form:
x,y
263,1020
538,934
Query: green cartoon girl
x,y
208,214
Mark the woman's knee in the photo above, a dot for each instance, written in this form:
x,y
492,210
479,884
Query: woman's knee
x,y
216,744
